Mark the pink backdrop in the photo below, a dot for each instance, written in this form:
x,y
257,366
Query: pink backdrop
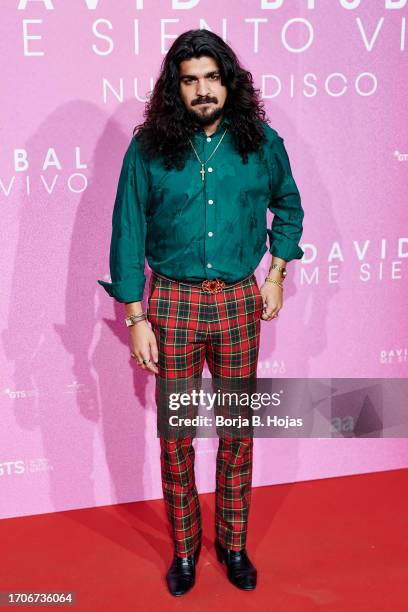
x,y
78,417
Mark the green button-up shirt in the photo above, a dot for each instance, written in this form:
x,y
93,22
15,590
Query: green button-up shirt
x,y
190,229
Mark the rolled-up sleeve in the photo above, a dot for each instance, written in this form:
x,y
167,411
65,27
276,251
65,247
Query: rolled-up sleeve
x,y
127,247
285,203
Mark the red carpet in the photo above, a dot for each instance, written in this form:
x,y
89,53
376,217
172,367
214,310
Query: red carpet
x,y
338,544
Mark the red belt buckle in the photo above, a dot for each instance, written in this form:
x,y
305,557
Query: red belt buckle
x,y
213,286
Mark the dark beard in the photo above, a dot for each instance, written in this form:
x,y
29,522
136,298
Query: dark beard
x,y
205,119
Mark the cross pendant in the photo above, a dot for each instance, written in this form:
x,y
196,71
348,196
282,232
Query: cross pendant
x,y
202,172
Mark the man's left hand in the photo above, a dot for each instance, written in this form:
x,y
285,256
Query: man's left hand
x,y
273,300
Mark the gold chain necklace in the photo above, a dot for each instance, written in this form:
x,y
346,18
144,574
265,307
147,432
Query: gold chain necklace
x,y
202,171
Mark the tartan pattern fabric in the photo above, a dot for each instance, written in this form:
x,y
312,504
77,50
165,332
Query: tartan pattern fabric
x,y
180,494
233,491
192,326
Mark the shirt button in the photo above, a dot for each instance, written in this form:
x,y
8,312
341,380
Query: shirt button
x,y
210,233
209,265
208,139
209,169
211,201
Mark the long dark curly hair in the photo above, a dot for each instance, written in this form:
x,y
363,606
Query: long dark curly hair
x,y
167,123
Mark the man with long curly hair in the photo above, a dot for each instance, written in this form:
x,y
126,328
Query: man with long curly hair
x,y
197,180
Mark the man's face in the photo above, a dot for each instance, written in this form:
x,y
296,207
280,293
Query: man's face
x,y
201,89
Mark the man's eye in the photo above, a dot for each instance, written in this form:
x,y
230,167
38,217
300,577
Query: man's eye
x,y
215,76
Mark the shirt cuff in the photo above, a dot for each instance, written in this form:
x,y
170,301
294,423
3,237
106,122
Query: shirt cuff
x,y
125,291
284,250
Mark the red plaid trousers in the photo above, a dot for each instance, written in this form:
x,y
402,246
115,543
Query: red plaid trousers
x,y
191,326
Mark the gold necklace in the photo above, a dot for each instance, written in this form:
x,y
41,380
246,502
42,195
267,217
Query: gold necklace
x,y
202,171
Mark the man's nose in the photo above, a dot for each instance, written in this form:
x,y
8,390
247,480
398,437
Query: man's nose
x,y
202,88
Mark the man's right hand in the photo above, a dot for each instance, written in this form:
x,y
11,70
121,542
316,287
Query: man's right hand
x,y
144,346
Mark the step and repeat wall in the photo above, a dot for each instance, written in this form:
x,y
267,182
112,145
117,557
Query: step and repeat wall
x,y
78,416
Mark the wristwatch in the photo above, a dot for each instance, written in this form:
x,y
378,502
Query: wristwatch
x,y
134,318
281,270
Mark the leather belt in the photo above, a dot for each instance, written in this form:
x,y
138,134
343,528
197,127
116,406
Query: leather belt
x,y
213,285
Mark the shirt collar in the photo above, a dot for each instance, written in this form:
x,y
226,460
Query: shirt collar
x,y
225,122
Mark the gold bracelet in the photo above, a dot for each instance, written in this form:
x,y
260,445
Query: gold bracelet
x,y
275,282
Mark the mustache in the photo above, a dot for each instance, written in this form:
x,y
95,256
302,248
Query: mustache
x,y
203,101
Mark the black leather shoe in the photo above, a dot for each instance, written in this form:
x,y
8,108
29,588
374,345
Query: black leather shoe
x,y
240,570
181,575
